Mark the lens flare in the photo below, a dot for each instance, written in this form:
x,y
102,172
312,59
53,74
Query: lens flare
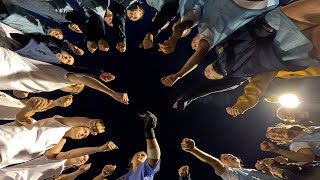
x,y
289,100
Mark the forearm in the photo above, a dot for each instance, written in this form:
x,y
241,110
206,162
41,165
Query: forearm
x,y
24,114
90,82
188,177
70,176
194,61
167,13
51,153
99,177
257,85
207,158
77,152
75,121
118,21
295,156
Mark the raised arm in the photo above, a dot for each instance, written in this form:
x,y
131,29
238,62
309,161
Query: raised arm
x,y
95,125
106,171
33,105
97,85
153,149
71,176
189,145
184,173
191,64
302,155
119,20
109,146
167,13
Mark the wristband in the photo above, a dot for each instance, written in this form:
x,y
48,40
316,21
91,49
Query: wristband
x,y
149,134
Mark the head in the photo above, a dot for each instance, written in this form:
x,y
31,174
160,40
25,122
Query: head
x,y
135,14
77,161
108,17
55,32
74,89
65,58
137,159
210,73
20,94
282,133
195,42
230,160
78,132
291,114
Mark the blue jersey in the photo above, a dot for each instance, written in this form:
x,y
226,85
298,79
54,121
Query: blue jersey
x,y
221,18
143,172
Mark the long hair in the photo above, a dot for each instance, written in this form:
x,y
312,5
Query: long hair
x,y
293,127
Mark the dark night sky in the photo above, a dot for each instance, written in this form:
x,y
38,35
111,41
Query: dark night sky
x,y
138,72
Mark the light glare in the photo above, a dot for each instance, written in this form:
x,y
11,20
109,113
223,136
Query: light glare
x,y
289,100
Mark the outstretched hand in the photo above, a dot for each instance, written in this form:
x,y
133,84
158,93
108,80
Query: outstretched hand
x,y
268,146
108,170
84,168
38,103
234,111
170,80
97,126
65,101
168,46
106,77
188,145
121,46
183,171
109,146
147,42
121,97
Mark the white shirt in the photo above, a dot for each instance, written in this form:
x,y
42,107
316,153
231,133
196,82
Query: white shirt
x,y
24,74
36,169
255,4
23,143
9,106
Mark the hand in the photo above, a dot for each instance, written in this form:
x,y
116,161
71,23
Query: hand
x,y
188,145
281,159
234,111
260,166
103,45
85,168
183,171
96,126
106,77
121,46
268,162
170,80
108,170
38,103
109,146
20,94
268,146
147,42
168,46
74,27
76,50
121,97
92,46
65,101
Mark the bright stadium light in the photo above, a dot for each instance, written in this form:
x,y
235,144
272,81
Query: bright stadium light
x,y
289,100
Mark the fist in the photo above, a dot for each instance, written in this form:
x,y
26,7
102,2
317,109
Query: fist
x,y
92,46
170,80
38,103
109,146
183,171
234,111
108,170
121,46
78,51
188,145
260,165
168,46
106,77
121,97
96,126
268,146
65,101
103,45
85,167
147,42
